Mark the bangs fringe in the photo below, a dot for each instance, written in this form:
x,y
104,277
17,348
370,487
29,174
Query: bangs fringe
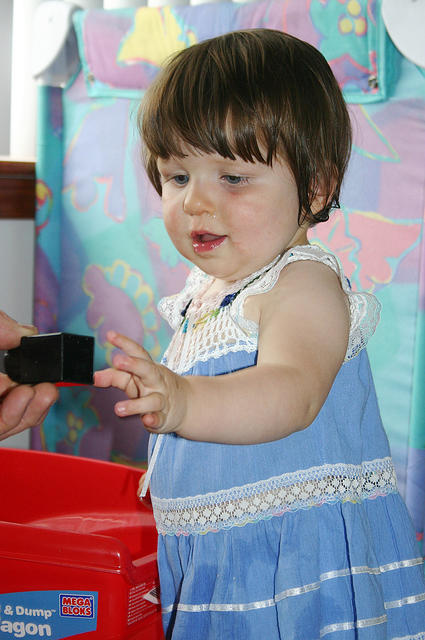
x,y
255,95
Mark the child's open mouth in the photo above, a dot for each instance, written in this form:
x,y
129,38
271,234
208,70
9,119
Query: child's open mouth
x,y
203,242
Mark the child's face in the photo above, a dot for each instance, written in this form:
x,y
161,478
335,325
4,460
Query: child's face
x,y
229,217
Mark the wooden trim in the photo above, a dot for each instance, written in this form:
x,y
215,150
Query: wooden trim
x,y
17,189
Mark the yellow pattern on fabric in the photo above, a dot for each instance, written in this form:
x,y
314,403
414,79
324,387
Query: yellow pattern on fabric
x,y
157,34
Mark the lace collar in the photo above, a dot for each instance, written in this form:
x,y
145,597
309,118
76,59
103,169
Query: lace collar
x,y
228,294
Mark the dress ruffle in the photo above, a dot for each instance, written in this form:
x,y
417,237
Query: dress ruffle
x,y
323,582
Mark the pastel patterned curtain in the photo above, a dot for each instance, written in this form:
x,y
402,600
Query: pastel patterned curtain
x,y
103,259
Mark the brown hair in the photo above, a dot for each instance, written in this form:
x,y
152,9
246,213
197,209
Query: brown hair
x,y
246,91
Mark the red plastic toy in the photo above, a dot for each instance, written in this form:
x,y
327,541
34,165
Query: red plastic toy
x,y
77,550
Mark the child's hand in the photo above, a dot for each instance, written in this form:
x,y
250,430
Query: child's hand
x,y
156,393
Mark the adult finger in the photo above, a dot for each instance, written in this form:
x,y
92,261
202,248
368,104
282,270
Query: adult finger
x,y
13,406
11,331
25,407
5,383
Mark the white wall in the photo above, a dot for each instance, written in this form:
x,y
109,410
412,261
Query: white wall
x,y
5,72
16,236
16,268
16,284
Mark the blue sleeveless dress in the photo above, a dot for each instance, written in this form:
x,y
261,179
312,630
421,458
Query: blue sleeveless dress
x,y
303,538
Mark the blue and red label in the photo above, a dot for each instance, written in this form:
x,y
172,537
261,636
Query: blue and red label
x,y
76,606
47,614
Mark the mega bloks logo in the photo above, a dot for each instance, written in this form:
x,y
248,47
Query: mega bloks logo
x,y
76,605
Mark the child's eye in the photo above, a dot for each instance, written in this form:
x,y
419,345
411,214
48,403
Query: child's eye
x,y
181,180
235,180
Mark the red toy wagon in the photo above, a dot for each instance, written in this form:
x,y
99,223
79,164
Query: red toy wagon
x,y
77,550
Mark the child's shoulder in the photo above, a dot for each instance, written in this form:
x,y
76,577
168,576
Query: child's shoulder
x,y
305,271
311,257
310,289
309,271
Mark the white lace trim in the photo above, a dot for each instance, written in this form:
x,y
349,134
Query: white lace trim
x,y
171,307
275,496
212,331
197,283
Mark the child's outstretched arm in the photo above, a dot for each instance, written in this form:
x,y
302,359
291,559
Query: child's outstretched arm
x,y
304,324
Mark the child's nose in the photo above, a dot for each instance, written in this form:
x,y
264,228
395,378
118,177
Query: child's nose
x,y
198,201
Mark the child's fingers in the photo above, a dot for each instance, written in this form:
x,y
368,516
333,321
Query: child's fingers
x,y
155,422
130,347
102,378
149,409
152,403
145,369
112,378
136,377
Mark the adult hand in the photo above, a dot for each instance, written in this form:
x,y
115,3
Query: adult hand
x,y
21,406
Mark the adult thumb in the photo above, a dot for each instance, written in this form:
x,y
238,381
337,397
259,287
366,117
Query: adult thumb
x,y
11,331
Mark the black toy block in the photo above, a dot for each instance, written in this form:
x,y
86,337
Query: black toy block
x,y
51,357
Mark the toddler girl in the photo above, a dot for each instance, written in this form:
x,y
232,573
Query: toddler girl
x,y
271,480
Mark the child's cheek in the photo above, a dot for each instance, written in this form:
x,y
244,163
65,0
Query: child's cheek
x,y
175,225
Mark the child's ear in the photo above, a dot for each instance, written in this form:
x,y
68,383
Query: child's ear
x,y
319,203
323,197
